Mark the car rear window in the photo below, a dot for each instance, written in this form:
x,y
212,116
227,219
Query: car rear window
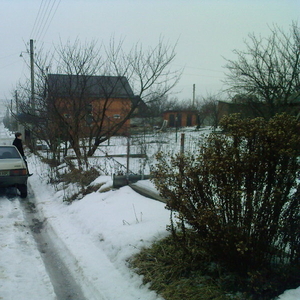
x,y
8,152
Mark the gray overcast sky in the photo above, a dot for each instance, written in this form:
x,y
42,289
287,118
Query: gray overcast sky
x,y
206,31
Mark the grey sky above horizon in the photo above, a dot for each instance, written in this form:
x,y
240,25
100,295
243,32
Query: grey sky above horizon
x,y
206,31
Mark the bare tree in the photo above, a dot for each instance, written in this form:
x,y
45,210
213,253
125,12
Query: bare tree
x,y
269,69
208,112
150,72
158,105
90,72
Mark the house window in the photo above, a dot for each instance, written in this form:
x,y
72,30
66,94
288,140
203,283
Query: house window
x,y
172,120
178,122
89,114
189,120
89,119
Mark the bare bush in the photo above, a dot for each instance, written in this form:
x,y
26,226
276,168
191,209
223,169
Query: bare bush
x,y
237,194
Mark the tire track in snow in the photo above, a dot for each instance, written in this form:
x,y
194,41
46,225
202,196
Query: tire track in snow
x,y
63,282
22,272
61,265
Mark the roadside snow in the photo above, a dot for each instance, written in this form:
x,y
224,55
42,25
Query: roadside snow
x,y
290,295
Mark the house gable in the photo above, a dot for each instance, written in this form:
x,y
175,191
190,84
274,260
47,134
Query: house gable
x,y
96,100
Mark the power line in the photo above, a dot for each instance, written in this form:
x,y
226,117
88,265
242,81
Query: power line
x,y
44,17
202,75
10,64
42,37
14,54
43,14
36,19
197,68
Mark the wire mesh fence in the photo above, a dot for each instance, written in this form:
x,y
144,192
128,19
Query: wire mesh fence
x,y
136,154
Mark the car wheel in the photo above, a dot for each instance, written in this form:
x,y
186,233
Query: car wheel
x,y
23,190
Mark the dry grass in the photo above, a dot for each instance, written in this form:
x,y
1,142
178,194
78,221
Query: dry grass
x,y
190,273
176,274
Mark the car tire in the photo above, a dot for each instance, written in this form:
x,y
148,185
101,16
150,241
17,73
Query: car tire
x,y
23,190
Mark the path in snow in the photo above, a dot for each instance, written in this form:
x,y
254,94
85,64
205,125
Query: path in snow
x,y
37,252
22,271
64,285
29,241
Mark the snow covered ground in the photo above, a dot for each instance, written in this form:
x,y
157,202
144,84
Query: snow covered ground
x,y
96,236
99,233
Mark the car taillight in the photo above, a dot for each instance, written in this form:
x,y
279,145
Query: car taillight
x,y
18,172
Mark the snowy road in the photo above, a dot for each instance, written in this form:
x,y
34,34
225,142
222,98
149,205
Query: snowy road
x,y
45,268
53,251
64,284
39,266
38,262
22,271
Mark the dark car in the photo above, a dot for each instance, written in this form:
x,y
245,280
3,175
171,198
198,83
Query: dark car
x,y
13,170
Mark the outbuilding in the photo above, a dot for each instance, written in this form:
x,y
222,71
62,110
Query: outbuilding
x,y
181,118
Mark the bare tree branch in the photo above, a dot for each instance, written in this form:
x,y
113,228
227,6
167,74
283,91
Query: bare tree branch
x,y
71,110
269,68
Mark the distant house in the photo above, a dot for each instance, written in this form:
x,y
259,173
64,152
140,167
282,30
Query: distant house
x,y
228,108
98,101
181,118
253,109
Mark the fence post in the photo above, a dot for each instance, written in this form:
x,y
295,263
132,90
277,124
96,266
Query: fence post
x,y
182,144
128,153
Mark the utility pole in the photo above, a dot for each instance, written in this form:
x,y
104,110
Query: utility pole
x,y
17,109
17,102
194,86
128,155
32,104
